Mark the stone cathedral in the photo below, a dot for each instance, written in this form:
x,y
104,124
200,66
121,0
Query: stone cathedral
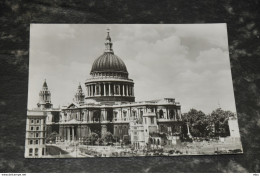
x,y
107,105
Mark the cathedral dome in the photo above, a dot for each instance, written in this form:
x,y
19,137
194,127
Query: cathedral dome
x,y
110,63
109,82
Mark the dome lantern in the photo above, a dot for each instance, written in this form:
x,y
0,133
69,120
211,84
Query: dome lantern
x,y
108,43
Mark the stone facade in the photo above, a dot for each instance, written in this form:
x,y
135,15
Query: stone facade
x,y
35,134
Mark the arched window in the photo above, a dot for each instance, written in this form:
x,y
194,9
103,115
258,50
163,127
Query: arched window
x,y
134,113
161,113
158,141
151,140
172,114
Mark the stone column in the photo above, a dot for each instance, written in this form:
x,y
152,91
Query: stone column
x,y
104,89
114,89
127,90
92,89
68,133
65,133
103,130
119,91
90,86
167,112
109,89
73,133
100,89
61,131
95,89
123,90
133,93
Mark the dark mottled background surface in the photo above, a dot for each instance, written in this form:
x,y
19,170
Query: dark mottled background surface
x,y
243,22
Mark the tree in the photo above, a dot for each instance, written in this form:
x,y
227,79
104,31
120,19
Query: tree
x,y
100,141
93,137
52,137
220,118
116,138
108,137
126,139
197,122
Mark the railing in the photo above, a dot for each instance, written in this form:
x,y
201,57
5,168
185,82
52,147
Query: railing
x,y
149,114
108,77
166,120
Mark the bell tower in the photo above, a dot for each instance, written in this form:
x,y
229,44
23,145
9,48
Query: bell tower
x,y
44,97
79,96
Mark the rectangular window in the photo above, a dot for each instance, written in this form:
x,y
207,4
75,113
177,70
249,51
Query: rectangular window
x,y
125,113
43,151
30,152
37,128
31,121
36,142
38,121
37,134
31,142
152,120
31,128
36,152
144,120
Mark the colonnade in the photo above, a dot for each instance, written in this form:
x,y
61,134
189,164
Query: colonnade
x,y
109,89
67,135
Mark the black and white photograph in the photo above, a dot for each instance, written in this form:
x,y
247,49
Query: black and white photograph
x,y
130,90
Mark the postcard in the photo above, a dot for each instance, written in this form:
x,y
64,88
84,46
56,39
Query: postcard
x,y
128,90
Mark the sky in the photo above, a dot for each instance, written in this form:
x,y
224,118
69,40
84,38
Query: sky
x,y
188,62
